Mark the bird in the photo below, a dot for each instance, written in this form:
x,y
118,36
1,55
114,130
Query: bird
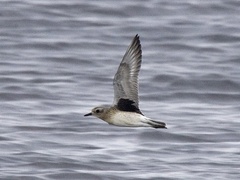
x,y
125,110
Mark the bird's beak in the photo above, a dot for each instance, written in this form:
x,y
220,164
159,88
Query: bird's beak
x,y
89,114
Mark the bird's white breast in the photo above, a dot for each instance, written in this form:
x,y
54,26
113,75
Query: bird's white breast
x,y
123,118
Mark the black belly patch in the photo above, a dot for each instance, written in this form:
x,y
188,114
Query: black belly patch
x,y
127,105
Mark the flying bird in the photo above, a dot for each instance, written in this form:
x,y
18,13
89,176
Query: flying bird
x,y
125,109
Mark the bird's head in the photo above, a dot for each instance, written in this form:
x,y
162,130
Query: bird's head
x,y
99,112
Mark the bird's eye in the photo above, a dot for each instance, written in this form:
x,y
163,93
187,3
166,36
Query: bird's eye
x,y
97,111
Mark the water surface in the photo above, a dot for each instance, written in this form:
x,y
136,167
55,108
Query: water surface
x,y
57,61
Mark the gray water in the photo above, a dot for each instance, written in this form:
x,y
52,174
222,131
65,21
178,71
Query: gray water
x,y
57,61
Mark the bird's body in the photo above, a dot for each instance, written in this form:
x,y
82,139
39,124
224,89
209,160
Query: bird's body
x,y
121,118
125,110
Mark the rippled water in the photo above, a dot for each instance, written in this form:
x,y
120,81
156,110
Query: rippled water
x,y
57,61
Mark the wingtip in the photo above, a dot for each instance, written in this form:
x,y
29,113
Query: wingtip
x,y
137,36
136,42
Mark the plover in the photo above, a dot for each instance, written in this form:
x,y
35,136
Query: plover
x,y
125,110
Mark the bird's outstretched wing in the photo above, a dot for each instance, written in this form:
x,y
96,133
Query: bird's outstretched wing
x,y
126,79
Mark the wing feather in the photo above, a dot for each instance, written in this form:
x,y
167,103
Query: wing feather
x,y
126,79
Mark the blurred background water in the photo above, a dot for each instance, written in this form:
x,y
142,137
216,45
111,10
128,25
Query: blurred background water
x,y
57,61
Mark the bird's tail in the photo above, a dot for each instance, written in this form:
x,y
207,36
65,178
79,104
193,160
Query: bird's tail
x,y
156,124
